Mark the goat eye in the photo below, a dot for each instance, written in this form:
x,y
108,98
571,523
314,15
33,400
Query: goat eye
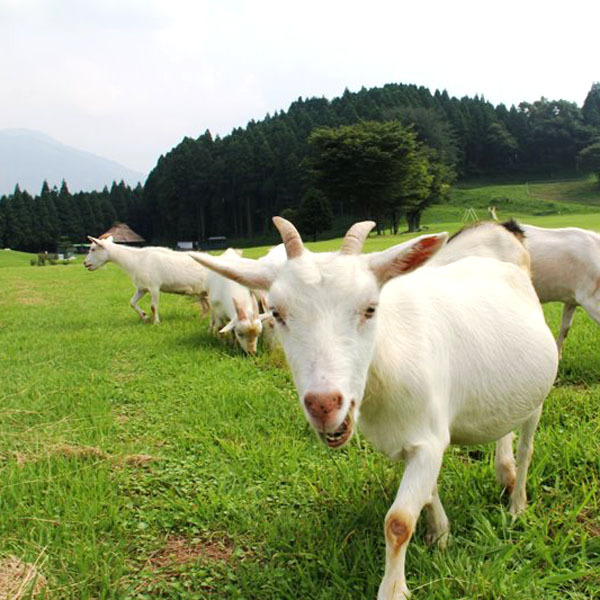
x,y
277,316
369,312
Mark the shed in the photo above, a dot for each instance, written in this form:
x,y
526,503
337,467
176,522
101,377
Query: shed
x,y
123,234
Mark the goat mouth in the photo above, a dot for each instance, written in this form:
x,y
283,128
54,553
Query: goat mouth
x,y
341,435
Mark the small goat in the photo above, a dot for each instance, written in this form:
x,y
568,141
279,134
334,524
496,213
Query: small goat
x,y
565,267
152,270
233,307
450,354
276,257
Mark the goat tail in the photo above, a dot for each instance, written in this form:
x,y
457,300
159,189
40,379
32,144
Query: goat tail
x,y
515,228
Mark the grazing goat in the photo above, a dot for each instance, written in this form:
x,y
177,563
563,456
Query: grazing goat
x,y
233,307
275,256
151,270
458,354
565,267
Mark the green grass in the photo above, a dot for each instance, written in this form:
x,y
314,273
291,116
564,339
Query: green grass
x,y
236,498
572,197
14,258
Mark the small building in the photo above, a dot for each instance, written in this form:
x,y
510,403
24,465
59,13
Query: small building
x,y
123,234
186,245
216,242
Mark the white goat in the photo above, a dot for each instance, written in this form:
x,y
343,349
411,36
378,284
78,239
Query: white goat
x,y
233,307
505,242
454,354
486,239
565,267
152,270
276,256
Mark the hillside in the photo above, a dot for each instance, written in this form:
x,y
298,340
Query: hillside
x,y
28,157
14,258
232,185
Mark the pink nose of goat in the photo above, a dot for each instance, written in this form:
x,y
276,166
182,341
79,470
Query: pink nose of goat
x,y
323,407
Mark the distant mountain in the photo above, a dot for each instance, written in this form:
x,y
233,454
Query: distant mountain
x,y
28,157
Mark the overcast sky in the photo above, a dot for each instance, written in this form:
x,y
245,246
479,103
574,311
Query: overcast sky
x,y
128,79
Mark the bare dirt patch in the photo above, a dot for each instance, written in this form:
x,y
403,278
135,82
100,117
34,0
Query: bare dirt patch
x,y
590,522
83,452
180,550
138,460
29,300
69,451
19,579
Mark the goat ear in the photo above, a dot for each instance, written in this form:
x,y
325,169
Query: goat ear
x,y
405,257
227,327
248,272
96,241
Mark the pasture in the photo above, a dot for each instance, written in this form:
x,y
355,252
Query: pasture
x,y
155,462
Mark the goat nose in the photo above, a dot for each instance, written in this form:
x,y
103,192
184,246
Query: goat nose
x,y
323,406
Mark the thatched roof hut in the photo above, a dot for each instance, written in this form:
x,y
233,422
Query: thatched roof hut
x,y
123,234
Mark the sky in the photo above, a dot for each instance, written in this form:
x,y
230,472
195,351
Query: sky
x,y
128,79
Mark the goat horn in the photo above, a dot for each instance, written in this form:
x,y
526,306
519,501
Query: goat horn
x,y
355,237
290,236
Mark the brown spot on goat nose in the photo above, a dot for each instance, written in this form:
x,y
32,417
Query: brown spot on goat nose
x,y
323,406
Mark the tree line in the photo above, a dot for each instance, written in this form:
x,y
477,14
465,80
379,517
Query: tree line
x,y
56,217
233,185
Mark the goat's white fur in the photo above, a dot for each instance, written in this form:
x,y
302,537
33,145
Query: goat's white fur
x,y
457,354
487,239
565,267
152,270
490,240
233,308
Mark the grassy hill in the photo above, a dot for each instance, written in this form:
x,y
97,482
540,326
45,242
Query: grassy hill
x,y
525,199
14,258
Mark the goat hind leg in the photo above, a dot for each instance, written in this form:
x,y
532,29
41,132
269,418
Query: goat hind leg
x,y
518,498
565,324
504,463
154,294
438,526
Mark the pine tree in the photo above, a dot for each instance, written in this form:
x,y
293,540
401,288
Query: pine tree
x,y
591,107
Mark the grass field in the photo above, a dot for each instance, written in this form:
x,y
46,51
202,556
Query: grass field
x,y
568,198
154,462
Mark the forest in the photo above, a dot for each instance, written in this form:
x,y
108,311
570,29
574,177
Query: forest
x,y
385,153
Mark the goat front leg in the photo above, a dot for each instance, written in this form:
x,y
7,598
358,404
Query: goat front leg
x,y
139,294
204,304
417,488
565,325
154,294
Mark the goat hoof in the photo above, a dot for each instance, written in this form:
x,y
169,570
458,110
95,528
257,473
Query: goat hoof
x,y
393,590
438,538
